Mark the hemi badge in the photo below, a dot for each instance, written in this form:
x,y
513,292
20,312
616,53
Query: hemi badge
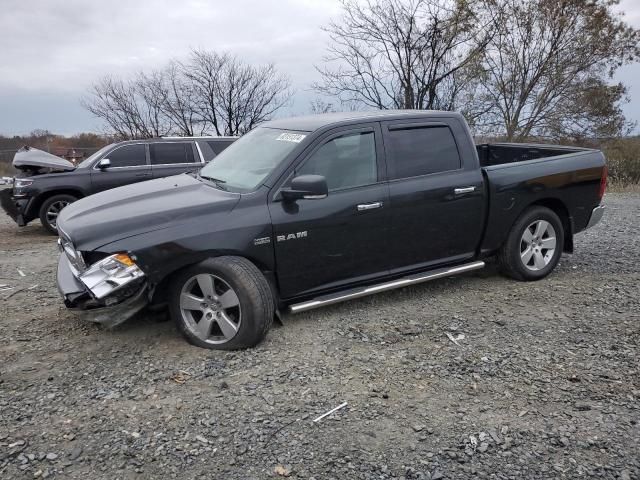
x,y
261,241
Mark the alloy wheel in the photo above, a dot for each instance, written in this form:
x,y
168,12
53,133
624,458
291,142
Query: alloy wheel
x,y
210,308
537,245
54,210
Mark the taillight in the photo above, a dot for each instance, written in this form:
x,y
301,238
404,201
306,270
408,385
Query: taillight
x,y
603,183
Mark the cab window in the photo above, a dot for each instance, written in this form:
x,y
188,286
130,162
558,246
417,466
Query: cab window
x,y
346,161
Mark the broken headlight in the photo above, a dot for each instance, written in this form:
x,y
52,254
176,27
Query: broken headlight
x,y
110,274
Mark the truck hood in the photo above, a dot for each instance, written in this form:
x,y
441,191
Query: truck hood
x,y
32,157
139,208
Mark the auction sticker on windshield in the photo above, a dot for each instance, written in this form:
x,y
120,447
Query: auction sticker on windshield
x,y
291,137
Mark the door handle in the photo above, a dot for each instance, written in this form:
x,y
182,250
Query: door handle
x,y
463,190
143,175
369,206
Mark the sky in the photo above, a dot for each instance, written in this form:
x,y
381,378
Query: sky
x,y
52,51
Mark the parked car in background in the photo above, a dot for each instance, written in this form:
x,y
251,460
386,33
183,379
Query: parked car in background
x,y
46,183
305,212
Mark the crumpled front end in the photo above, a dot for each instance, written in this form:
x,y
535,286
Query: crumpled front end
x,y
11,206
29,158
108,292
16,201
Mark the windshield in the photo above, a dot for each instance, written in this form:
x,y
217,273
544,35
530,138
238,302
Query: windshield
x,y
248,161
87,161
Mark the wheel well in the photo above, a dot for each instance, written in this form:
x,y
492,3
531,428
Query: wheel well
x,y
560,209
45,196
162,287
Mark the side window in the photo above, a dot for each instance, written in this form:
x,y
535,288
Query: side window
x,y
422,150
347,161
219,145
207,153
168,153
128,156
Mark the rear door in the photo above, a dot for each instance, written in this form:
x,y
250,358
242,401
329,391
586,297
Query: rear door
x,y
437,199
129,164
324,243
173,158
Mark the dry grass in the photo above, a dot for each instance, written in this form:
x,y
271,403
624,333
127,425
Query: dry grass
x,y
623,160
6,170
627,188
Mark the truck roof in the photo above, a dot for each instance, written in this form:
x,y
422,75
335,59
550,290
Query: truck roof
x,y
310,123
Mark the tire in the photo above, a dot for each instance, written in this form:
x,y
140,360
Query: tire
x,y
527,254
50,209
224,321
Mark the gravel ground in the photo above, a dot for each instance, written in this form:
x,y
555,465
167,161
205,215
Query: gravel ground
x,y
545,382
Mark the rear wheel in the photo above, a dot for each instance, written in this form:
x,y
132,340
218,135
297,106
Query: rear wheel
x,y
51,208
223,303
534,245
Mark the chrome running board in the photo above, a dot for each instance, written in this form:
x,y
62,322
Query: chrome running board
x,y
382,287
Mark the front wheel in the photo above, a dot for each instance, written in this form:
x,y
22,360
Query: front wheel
x,y
223,303
51,208
534,245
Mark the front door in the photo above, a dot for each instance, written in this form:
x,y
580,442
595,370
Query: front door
x,y
342,238
437,200
128,164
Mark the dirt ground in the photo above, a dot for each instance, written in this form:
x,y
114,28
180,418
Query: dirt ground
x,y
545,382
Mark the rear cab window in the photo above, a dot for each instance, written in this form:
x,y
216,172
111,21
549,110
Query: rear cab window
x,y
169,153
417,150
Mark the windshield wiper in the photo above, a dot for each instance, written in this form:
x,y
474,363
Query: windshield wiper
x,y
219,182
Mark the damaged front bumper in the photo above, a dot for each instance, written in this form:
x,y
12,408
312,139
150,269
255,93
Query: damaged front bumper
x,y
14,206
99,304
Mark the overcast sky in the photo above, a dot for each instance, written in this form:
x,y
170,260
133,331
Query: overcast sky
x,y
51,51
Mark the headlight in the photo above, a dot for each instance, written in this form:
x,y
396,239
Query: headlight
x,y
22,182
75,258
110,274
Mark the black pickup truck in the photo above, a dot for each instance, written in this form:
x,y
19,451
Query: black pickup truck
x,y
305,212
48,183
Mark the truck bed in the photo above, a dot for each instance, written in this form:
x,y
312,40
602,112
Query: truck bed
x,y
491,154
566,179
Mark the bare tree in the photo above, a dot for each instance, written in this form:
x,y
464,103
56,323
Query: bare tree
x,y
591,110
111,101
203,70
404,53
131,109
544,63
151,96
249,95
180,104
210,93
233,96
321,106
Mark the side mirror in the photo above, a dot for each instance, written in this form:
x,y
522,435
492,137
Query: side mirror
x,y
104,163
306,186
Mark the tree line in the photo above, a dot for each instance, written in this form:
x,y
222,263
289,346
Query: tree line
x,y
515,69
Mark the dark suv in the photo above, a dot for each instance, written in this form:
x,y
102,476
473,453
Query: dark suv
x,y
46,183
